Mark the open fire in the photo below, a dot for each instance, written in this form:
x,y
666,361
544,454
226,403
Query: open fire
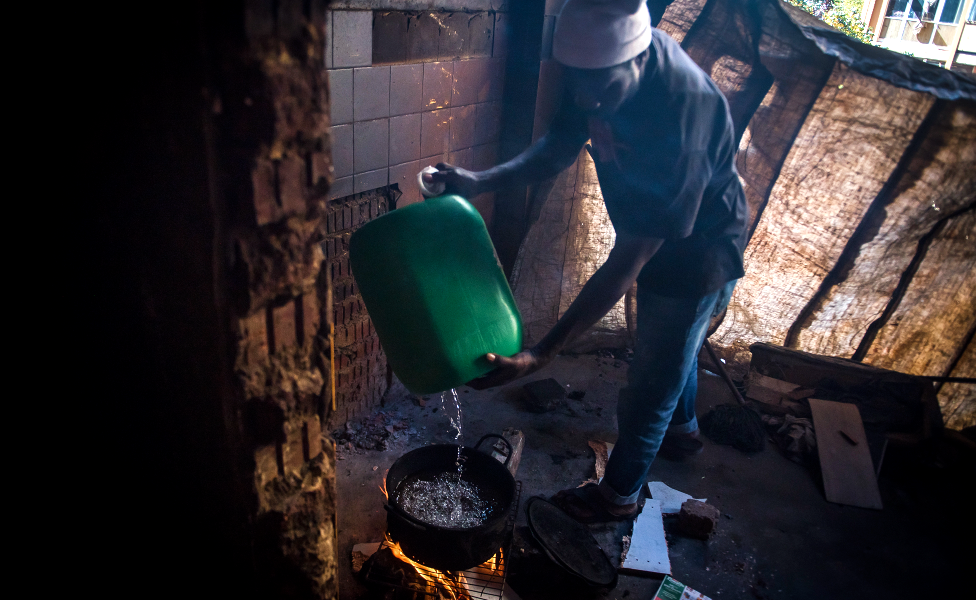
x,y
481,582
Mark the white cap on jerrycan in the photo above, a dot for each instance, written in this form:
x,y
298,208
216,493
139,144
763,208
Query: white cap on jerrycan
x,y
432,189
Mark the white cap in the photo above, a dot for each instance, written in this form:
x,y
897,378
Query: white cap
x,y
595,34
429,190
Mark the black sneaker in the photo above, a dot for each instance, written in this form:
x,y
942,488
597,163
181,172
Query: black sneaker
x,y
679,446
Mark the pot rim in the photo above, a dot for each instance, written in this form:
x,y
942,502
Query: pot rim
x,y
502,514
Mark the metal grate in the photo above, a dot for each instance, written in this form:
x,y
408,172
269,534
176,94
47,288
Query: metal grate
x,y
484,582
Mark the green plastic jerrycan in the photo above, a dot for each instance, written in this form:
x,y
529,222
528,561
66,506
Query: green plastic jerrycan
x,y
435,292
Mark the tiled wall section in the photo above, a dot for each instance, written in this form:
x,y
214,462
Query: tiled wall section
x,y
390,121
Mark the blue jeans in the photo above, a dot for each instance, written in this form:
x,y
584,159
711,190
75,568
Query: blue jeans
x,y
662,384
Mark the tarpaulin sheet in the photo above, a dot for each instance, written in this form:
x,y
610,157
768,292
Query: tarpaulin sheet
x,y
859,166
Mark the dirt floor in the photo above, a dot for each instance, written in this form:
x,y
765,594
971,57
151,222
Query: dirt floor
x,y
777,537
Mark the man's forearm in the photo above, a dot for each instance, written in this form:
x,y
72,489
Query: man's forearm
x,y
546,158
607,286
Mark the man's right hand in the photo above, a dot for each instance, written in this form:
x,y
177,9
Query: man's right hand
x,y
509,368
462,182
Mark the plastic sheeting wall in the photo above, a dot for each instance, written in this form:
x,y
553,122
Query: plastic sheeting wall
x,y
859,166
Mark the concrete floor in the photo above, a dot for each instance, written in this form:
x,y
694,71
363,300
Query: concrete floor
x,y
778,537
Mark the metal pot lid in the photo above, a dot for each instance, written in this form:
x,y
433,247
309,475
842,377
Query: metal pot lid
x,y
569,543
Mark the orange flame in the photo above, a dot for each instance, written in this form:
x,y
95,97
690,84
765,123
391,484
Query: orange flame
x,y
452,586
445,582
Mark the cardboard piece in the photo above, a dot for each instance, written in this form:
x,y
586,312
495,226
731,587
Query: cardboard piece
x,y
648,552
845,461
675,590
670,498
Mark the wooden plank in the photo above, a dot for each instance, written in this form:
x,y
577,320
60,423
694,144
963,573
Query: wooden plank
x,y
764,394
848,473
648,553
777,385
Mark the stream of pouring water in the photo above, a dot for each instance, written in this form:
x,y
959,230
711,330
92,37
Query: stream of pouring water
x,y
456,424
446,499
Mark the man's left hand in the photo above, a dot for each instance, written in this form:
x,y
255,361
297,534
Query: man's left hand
x,y
508,368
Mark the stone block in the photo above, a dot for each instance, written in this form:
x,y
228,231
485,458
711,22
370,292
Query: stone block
x,y
404,138
291,184
463,121
342,145
406,89
370,180
352,38
371,93
256,338
435,132
293,448
311,316
372,145
264,192
285,330
697,519
438,85
314,436
340,101
265,465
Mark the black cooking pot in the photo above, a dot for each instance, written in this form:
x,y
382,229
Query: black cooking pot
x,y
452,548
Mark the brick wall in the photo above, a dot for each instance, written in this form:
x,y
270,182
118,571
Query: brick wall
x,y
361,369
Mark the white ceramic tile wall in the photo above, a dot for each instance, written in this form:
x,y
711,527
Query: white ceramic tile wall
x,y
342,145
371,93
488,121
340,88
438,85
404,138
462,126
391,121
371,145
341,187
370,180
352,44
328,39
469,77
406,176
435,132
406,89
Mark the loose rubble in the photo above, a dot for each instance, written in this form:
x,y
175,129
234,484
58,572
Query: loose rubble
x,y
379,431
